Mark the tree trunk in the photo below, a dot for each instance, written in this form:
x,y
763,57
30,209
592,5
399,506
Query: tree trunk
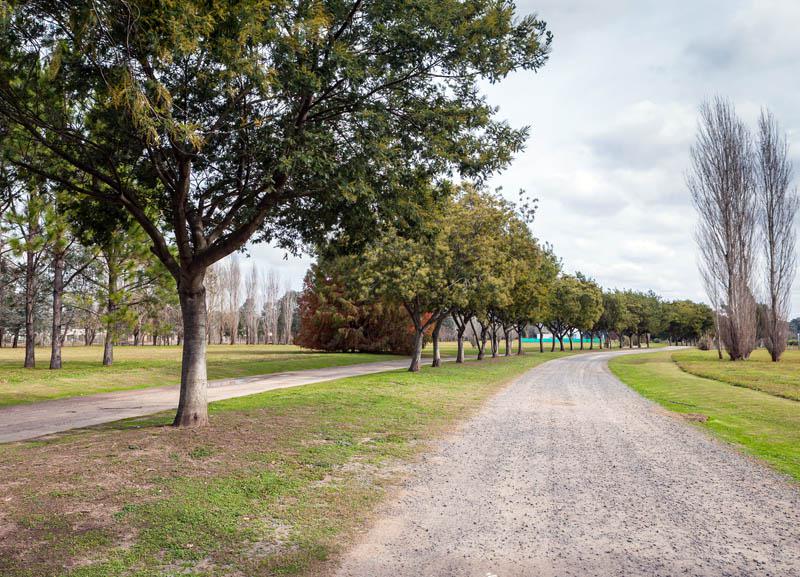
x,y
508,343
2,298
495,344
460,353
541,340
519,341
553,342
581,336
570,342
647,339
437,357
15,340
30,298
561,342
419,334
480,340
111,309
193,403
591,341
58,295
108,347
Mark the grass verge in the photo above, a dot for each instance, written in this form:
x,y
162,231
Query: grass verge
x,y
781,379
274,486
762,424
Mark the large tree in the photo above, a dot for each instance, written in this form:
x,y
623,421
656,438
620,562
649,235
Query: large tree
x,y
291,122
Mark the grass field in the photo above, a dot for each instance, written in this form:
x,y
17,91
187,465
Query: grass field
x,y
276,485
781,379
142,367
760,423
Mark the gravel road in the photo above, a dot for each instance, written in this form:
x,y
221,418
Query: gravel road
x,y
567,472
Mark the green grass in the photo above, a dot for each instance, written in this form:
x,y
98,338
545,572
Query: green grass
x,y
781,379
143,367
147,366
276,485
760,423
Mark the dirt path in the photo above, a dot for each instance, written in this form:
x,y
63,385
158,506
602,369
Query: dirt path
x,y
29,421
569,473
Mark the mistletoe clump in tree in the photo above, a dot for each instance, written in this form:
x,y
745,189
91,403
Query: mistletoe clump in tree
x,y
216,123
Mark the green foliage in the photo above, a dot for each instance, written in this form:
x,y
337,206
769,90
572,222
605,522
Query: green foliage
x,y
687,321
575,302
478,244
615,317
590,304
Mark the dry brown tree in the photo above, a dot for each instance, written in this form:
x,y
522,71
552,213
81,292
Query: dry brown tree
x,y
777,207
722,185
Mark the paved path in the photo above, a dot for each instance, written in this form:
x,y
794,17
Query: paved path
x,y
28,421
568,472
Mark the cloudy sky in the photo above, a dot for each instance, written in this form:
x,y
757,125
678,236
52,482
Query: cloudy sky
x,y
612,117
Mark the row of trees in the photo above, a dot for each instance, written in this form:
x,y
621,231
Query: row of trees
x,y
742,189
474,261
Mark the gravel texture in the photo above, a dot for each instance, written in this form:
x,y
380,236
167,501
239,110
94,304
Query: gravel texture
x,y
567,472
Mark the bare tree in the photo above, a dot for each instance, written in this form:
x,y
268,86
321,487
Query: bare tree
x,y
271,288
214,293
288,304
722,186
233,294
252,305
777,206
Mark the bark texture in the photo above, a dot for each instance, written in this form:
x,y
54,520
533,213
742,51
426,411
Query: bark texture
x,y
193,404
58,296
